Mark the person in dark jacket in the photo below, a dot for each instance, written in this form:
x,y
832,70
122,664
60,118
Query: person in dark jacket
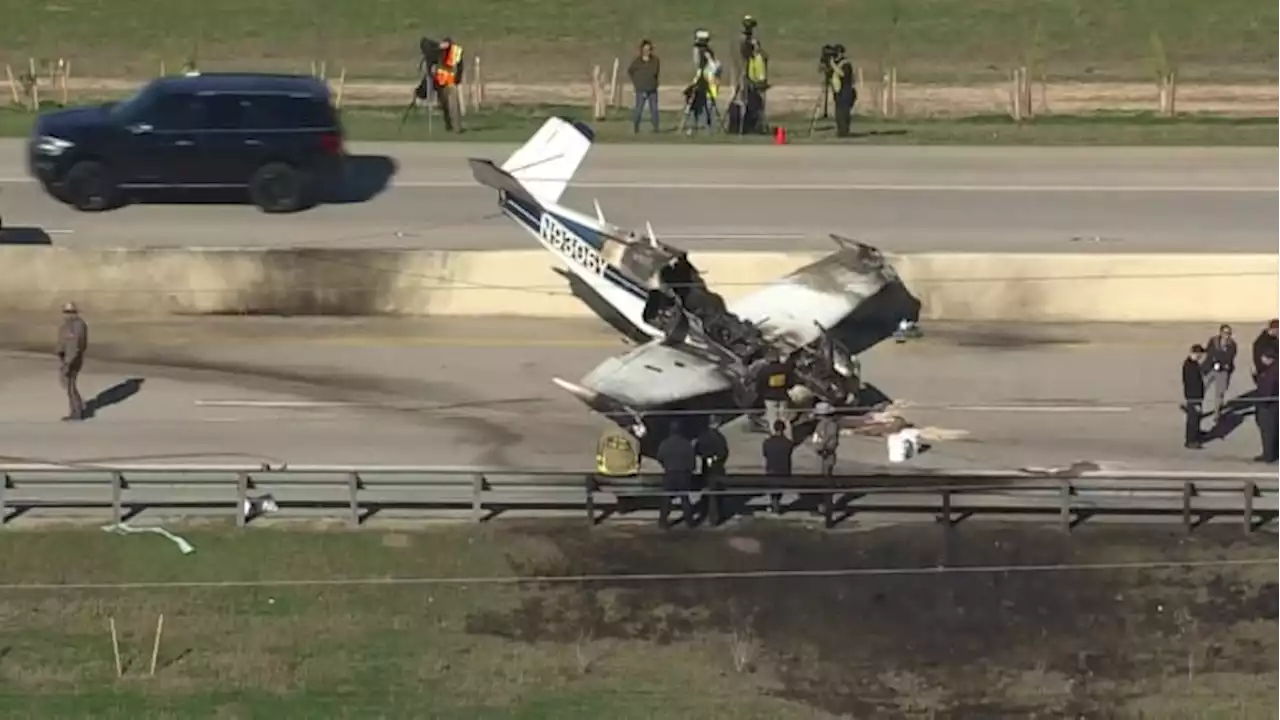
x,y
73,343
644,72
679,461
1265,342
1219,364
1193,395
777,450
1268,413
713,450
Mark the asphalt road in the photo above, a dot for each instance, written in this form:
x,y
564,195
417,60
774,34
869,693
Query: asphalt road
x,y
458,393
760,197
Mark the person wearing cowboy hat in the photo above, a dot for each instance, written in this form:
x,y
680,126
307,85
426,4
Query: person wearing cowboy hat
x,y
73,341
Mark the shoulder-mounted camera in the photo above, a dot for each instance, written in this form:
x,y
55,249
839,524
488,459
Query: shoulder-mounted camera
x,y
701,38
748,25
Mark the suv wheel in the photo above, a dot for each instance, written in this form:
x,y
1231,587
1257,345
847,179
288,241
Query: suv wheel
x,y
277,188
88,187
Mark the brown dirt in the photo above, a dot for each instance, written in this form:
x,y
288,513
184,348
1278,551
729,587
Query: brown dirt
x,y
960,645
913,100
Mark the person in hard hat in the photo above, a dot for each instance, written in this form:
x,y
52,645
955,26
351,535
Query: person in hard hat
x,y
618,453
73,342
826,437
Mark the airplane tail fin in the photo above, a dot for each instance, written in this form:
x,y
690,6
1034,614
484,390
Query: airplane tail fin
x,y
548,161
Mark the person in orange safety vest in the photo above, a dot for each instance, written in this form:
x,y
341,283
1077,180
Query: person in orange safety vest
x,y
446,74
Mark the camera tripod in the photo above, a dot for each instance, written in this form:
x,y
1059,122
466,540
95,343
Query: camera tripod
x,y
742,100
821,103
425,93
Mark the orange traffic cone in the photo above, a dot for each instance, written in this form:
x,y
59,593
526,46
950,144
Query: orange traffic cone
x,y
779,135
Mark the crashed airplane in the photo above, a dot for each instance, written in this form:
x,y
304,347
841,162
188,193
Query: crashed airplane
x,y
697,355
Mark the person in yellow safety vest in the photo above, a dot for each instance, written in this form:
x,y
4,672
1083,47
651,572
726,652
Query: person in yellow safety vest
x,y
702,91
446,73
618,453
756,82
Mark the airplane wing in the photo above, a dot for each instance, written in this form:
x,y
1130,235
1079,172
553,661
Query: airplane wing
x,y
653,375
823,293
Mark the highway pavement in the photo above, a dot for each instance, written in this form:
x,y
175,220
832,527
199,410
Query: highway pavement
x,y
904,199
452,392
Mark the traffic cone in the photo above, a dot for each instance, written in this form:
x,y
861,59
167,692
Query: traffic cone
x,y
779,135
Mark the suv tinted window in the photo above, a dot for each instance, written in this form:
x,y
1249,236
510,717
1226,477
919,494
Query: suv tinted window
x,y
261,111
173,111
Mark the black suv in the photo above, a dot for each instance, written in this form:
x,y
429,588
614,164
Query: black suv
x,y
276,135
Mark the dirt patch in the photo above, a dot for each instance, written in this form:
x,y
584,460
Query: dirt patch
x,y
955,645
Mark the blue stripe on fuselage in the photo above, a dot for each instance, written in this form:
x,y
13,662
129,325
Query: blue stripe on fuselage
x,y
530,216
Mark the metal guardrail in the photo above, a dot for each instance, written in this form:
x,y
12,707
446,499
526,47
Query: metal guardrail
x,y
358,491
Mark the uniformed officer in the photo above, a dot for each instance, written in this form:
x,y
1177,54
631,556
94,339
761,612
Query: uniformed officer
x,y
73,341
679,461
773,385
713,451
1193,395
1268,412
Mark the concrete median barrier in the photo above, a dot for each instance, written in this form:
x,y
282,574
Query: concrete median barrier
x,y
354,282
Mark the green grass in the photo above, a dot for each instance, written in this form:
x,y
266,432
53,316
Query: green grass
x,y
872,646
555,40
517,123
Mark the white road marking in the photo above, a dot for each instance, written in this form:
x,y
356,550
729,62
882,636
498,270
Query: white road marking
x,y
818,187
298,404
1043,408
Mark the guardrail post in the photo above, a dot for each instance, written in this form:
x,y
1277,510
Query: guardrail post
x,y
477,497
117,497
353,487
945,517
589,484
242,496
4,488
1250,492
1188,492
1067,492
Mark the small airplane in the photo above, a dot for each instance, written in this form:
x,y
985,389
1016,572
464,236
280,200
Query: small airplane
x,y
696,355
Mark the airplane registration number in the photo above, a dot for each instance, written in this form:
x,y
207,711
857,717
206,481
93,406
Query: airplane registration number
x,y
570,245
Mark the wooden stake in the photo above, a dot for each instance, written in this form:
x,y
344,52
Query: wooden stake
x,y
155,649
342,84
13,85
162,69
1015,96
597,102
324,69
313,68
35,85
613,85
64,67
1173,93
1027,105
115,648
479,81
884,94
893,92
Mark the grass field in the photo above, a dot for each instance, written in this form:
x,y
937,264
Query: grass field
x,y
952,41
1194,643
517,123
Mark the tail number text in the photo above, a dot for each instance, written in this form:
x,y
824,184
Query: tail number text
x,y
570,245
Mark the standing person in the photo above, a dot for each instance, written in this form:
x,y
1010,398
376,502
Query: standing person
x,y
773,386
73,342
1220,362
679,461
844,90
1264,343
826,438
777,449
1193,396
446,74
1268,413
644,72
713,450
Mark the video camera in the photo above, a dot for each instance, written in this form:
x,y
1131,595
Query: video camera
x,y
830,54
748,25
701,38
